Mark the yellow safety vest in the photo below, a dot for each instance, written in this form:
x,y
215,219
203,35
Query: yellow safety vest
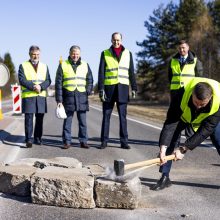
x,y
181,78
186,115
36,77
74,80
117,72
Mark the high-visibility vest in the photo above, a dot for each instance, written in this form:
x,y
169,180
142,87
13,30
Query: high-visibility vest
x,y
181,77
117,72
186,115
74,80
36,77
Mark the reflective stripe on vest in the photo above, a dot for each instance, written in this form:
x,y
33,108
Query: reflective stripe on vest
x,y
181,78
186,115
35,77
117,72
74,80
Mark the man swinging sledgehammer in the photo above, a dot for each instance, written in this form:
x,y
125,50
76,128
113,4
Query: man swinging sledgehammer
x,y
198,107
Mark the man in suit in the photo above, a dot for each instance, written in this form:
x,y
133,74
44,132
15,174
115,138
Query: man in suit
x,y
34,78
183,66
74,83
116,73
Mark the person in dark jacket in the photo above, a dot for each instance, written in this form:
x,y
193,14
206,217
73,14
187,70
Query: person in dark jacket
x,y
116,72
34,78
182,67
74,83
198,107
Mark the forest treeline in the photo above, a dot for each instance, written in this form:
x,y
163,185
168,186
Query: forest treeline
x,y
196,21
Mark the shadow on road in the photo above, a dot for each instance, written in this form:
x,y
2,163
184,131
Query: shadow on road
x,y
145,181
11,140
25,199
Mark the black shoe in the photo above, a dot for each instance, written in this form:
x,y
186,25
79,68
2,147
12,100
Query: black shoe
x,y
28,144
37,141
103,145
125,146
163,183
84,145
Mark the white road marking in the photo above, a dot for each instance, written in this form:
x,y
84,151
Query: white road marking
x,y
130,119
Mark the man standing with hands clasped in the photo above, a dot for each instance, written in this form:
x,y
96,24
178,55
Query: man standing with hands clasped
x,y
198,107
74,83
182,68
34,78
116,72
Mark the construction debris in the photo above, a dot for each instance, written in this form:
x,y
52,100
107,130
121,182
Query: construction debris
x,y
63,181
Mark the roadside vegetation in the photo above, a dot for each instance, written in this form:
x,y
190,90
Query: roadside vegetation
x,y
196,21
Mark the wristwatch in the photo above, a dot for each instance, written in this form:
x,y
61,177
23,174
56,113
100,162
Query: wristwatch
x,y
183,150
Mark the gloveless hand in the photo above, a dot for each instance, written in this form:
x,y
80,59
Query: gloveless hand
x,y
178,155
163,150
37,88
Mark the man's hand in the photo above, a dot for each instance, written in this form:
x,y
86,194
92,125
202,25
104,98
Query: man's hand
x,y
133,93
179,153
163,150
37,88
102,95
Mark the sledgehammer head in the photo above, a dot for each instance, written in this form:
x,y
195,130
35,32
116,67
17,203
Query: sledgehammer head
x,y
119,167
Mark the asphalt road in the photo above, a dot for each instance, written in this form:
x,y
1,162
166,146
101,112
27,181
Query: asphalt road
x,y
195,193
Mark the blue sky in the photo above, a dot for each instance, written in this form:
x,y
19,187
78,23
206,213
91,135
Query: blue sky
x,y
57,25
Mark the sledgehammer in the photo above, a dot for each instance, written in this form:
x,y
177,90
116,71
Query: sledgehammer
x,y
120,167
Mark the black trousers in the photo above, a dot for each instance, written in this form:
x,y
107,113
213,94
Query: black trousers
x,y
122,112
38,129
215,138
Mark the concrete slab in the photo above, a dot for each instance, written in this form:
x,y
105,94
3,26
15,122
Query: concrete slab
x,y
72,187
111,194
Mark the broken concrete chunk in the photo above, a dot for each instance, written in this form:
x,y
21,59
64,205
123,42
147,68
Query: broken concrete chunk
x,y
96,169
66,162
63,187
16,179
110,194
24,161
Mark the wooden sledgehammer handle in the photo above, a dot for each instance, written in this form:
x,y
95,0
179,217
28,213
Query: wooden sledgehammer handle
x,y
147,162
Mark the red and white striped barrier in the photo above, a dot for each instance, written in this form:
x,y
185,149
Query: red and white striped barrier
x,y
16,95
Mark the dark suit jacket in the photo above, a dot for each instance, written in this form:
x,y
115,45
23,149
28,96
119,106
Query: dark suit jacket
x,y
36,104
73,100
118,92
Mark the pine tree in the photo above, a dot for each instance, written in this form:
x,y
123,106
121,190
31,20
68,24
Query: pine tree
x,y
157,49
214,40
188,13
161,38
193,21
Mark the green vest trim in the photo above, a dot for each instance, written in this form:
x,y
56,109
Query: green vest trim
x,y
117,72
35,77
181,78
186,115
74,80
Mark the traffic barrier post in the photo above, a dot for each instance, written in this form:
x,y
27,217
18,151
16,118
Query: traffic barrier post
x,y
16,95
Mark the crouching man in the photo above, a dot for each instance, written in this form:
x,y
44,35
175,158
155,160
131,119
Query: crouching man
x,y
198,108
